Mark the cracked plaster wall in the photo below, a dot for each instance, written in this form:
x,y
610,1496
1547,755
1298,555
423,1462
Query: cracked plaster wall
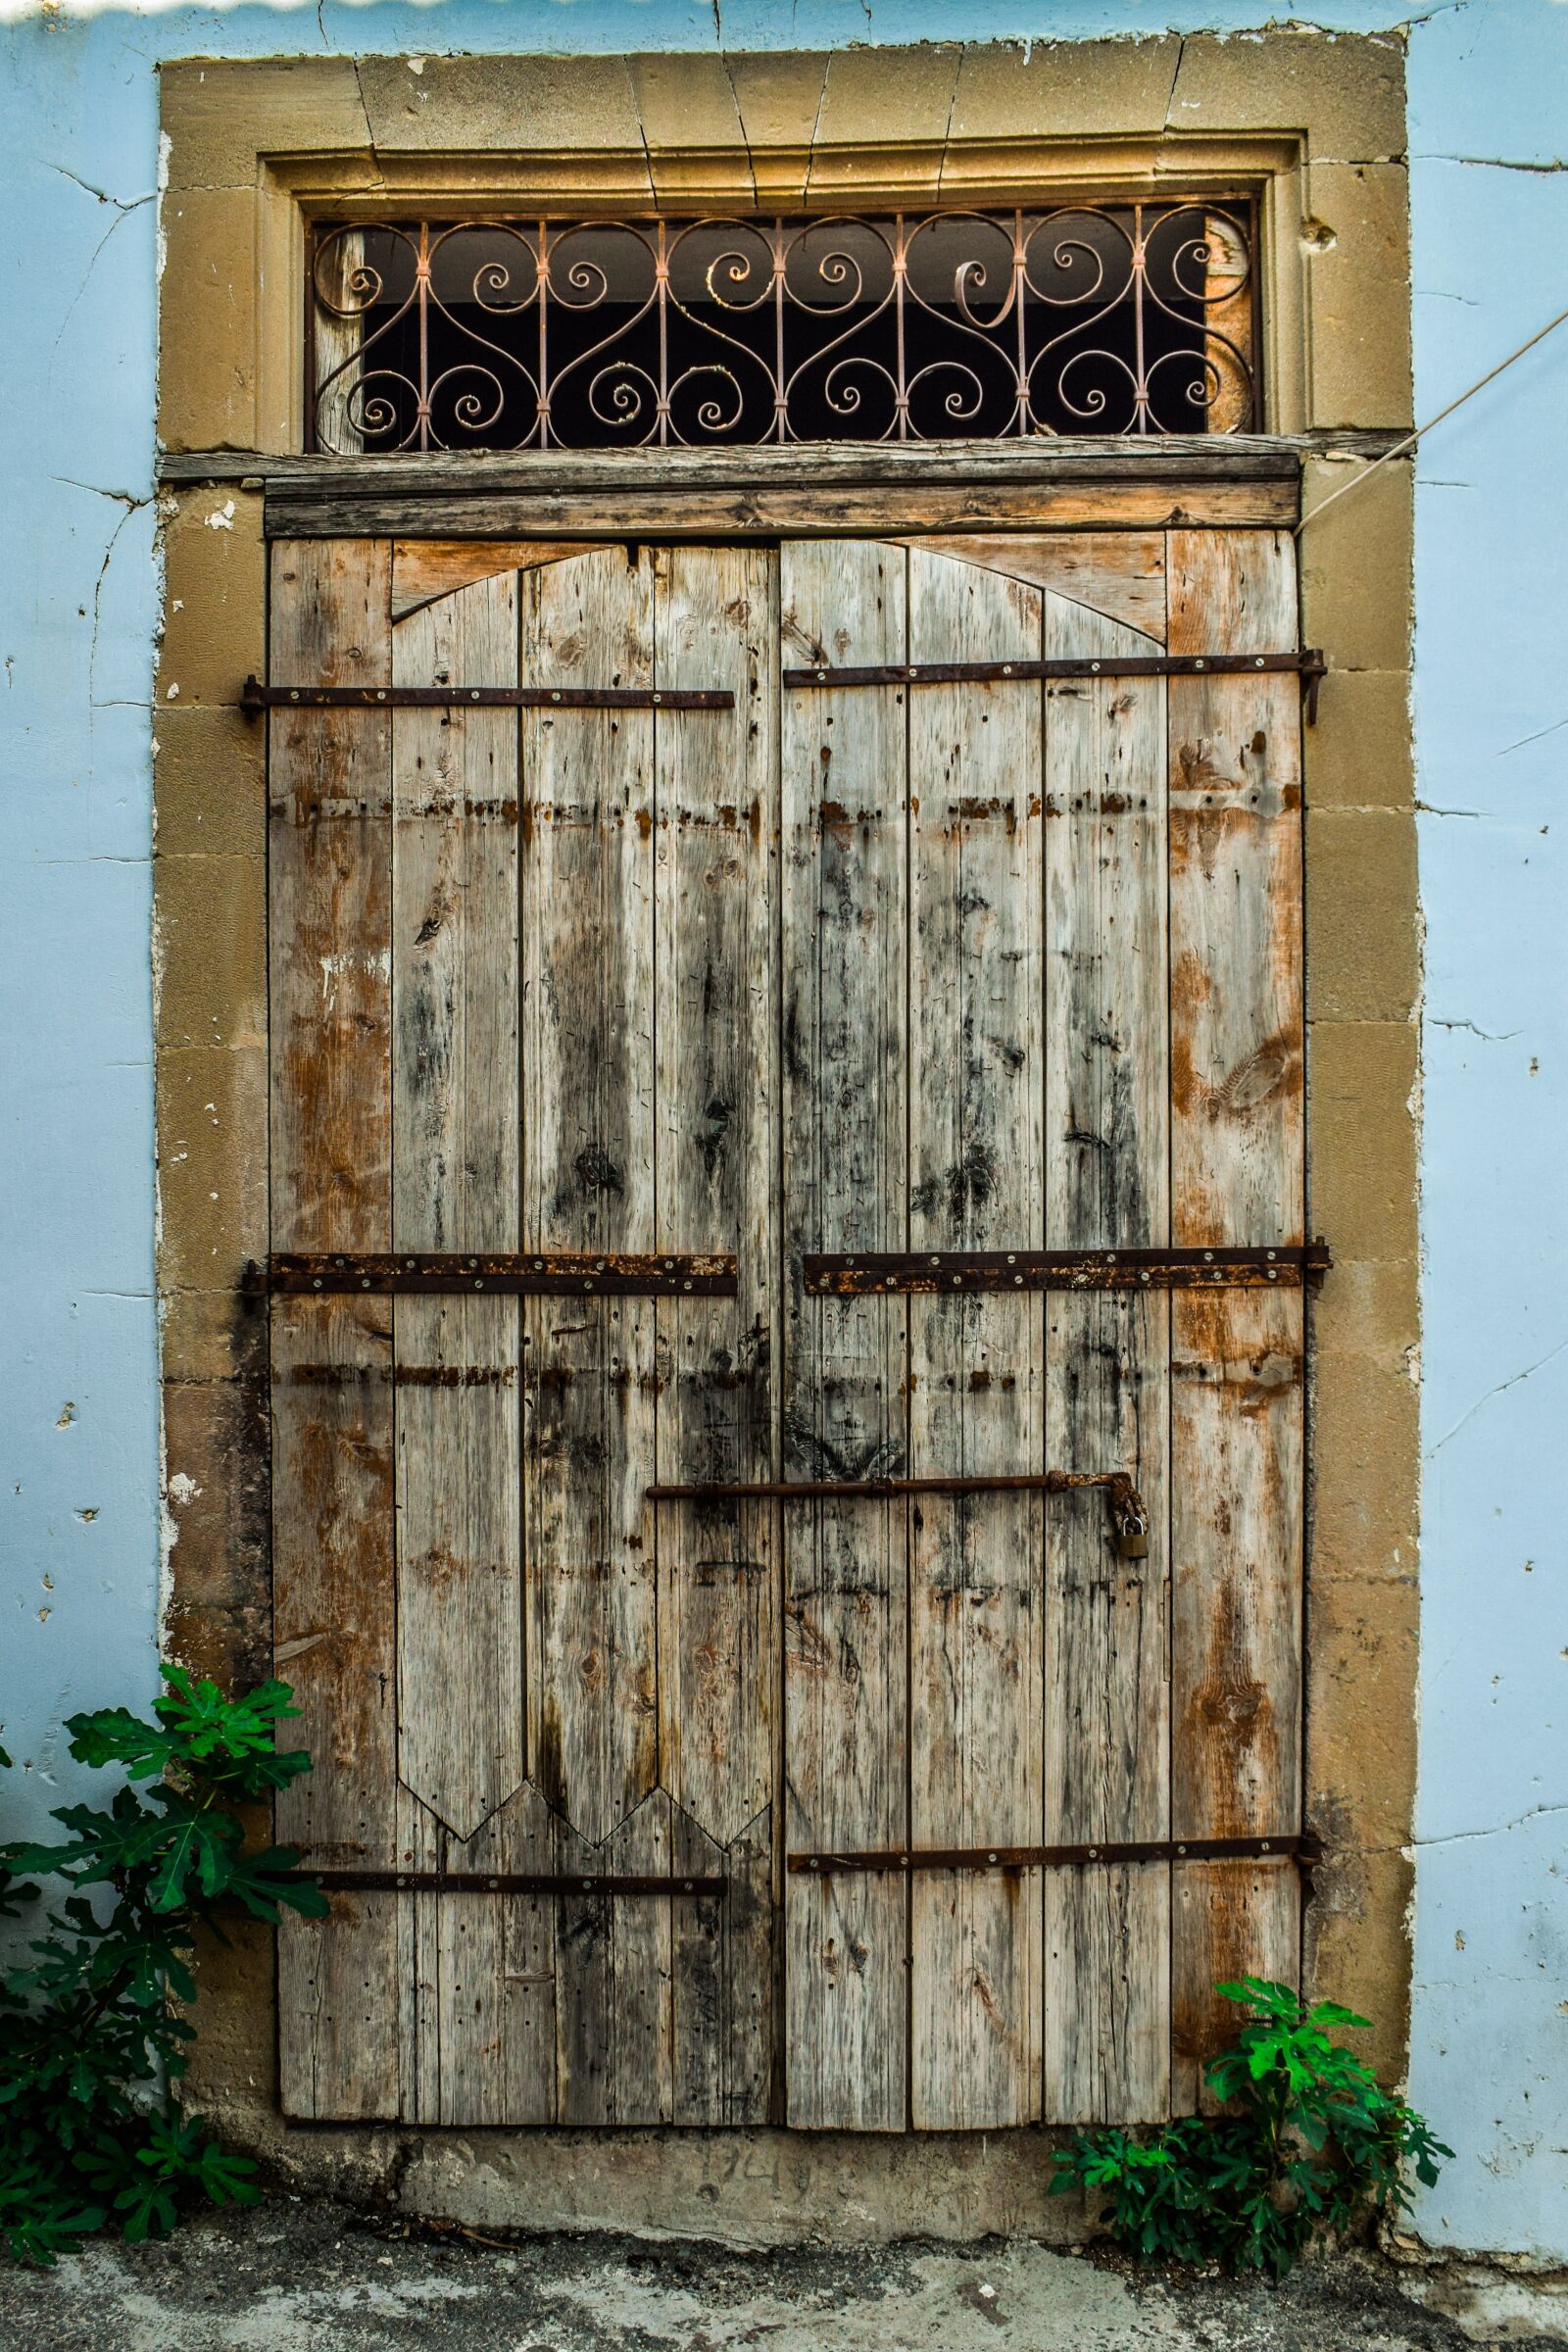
x,y
1490,2046
79,1509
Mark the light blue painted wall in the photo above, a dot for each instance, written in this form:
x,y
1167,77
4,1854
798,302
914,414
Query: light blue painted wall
x,y
78,598
1491,264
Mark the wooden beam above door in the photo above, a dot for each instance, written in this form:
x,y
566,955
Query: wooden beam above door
x,y
1218,481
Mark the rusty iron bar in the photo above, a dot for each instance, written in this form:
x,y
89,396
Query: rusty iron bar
x,y
510,1273
526,1882
254,697
1112,665
1129,1517
1304,1848
1309,666
851,1275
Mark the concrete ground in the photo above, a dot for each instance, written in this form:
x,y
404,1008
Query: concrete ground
x,y
291,2275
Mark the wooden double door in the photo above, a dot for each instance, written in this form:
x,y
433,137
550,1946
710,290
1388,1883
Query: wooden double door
x,y
643,1811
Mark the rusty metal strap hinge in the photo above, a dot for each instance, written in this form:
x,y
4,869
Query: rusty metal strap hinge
x,y
1308,666
867,1271
1129,1517
516,1881
509,1273
254,697
1305,1849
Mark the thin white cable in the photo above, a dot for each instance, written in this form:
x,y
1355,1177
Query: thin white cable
x,y
1410,439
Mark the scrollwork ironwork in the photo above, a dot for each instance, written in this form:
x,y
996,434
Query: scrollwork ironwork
x,y
1122,318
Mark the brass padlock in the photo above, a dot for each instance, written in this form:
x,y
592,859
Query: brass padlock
x,y
1132,1537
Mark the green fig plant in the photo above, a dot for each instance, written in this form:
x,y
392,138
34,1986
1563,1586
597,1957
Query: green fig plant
x,y
1309,2144
92,2035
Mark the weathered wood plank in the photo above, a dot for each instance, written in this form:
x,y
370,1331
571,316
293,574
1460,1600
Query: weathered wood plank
x,y
455,1158
716,834
1107,1929
843,1408
811,511
721,1976
1092,459
333,1542
1229,1919
976,1066
588,1060
614,1978
715,983
1237,1174
330,904
334,1613
424,570
1118,574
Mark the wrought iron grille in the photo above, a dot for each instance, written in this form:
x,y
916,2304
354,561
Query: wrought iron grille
x,y
1125,319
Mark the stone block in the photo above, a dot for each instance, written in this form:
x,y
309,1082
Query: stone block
x,y
207,318
1357,564
1357,1948
1358,754
779,98
1361,1096
1064,89
874,100
1361,919
215,609
1370,1309
212,1165
212,1335
1358,293
211,916
218,118
217,1492
209,771
512,105
1344,93
1363,1640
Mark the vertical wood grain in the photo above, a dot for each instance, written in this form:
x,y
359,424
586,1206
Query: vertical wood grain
x,y
976,1065
588,1183
1107,1929
716,993
591,1372
1236,1176
843,1406
455,1158
330,874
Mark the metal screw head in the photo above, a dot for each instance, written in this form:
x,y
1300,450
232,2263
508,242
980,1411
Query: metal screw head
x,y
685,1286
1259,663
316,1283
365,1282
657,698
380,694
294,694
556,697
1006,669
822,673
